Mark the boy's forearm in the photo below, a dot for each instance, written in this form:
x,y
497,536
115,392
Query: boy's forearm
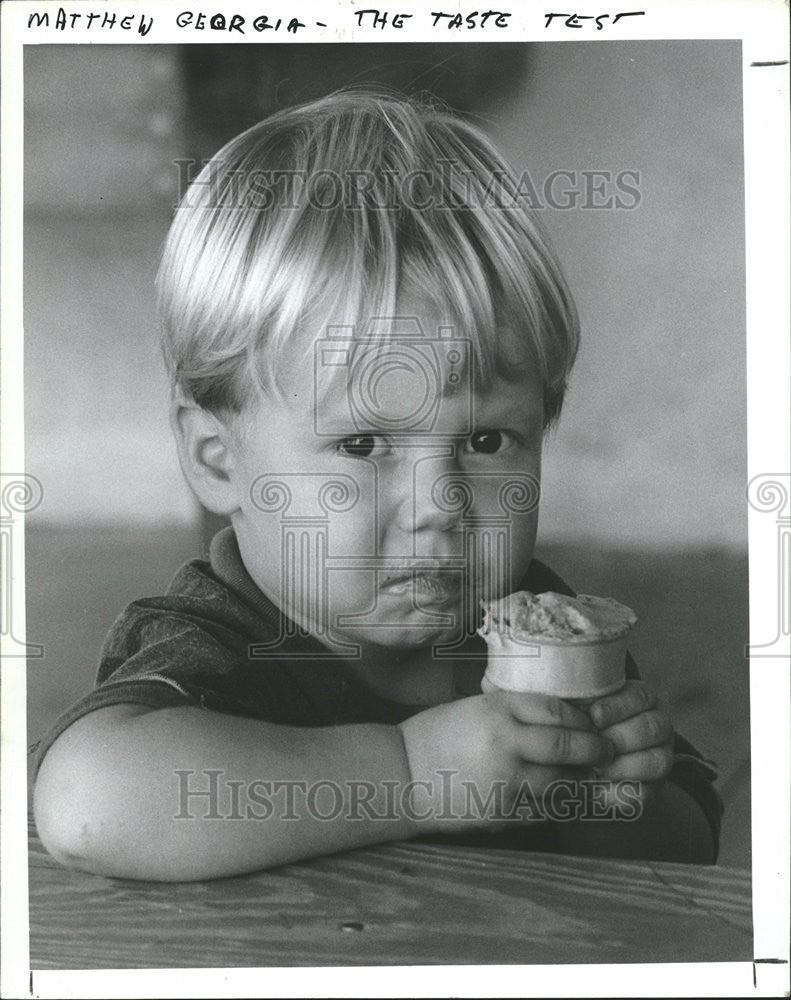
x,y
185,793
671,827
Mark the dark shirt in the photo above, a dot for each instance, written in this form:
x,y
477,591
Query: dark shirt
x,y
215,641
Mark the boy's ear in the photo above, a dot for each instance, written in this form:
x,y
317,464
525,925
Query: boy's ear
x,y
206,455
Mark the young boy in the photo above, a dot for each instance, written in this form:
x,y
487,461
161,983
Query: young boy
x,y
367,338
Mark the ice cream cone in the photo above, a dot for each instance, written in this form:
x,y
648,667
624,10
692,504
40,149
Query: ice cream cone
x,y
579,667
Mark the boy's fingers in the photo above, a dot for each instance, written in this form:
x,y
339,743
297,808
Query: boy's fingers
x,y
544,710
649,729
632,699
644,765
559,746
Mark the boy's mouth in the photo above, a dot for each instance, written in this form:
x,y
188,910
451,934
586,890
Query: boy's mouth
x,y
426,583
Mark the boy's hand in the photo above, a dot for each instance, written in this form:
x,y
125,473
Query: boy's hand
x,y
504,743
641,732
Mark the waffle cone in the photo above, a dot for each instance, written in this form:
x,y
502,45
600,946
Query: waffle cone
x,y
578,669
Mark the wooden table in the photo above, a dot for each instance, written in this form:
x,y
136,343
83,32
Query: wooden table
x,y
401,904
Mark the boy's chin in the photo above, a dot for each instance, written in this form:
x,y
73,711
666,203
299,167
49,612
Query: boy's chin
x,y
411,637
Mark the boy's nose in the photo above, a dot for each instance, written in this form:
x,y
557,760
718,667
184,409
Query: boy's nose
x,y
431,490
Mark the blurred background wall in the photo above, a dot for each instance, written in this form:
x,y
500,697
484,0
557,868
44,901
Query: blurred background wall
x,y
651,449
643,492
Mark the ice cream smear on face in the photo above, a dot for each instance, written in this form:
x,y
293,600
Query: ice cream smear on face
x,y
572,647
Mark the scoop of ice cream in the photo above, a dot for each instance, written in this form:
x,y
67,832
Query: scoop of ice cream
x,y
555,616
572,647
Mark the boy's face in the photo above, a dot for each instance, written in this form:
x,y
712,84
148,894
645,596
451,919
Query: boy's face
x,y
380,509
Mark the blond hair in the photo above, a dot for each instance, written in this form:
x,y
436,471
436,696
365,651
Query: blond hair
x,y
337,205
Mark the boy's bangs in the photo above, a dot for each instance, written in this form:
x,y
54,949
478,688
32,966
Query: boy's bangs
x,y
427,279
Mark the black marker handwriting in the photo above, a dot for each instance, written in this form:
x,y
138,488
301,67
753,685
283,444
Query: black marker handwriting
x,y
575,20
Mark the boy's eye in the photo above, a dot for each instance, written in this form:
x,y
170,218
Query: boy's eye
x,y
488,442
358,446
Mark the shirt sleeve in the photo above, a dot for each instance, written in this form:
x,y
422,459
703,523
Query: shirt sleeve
x,y
195,646
154,692
188,647
696,776
156,657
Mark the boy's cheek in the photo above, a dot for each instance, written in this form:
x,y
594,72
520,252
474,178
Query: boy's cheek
x,y
499,556
523,539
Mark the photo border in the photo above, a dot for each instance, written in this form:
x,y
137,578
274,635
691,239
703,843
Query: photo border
x,y
762,27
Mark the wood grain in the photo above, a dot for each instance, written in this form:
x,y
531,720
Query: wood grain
x,y
410,904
